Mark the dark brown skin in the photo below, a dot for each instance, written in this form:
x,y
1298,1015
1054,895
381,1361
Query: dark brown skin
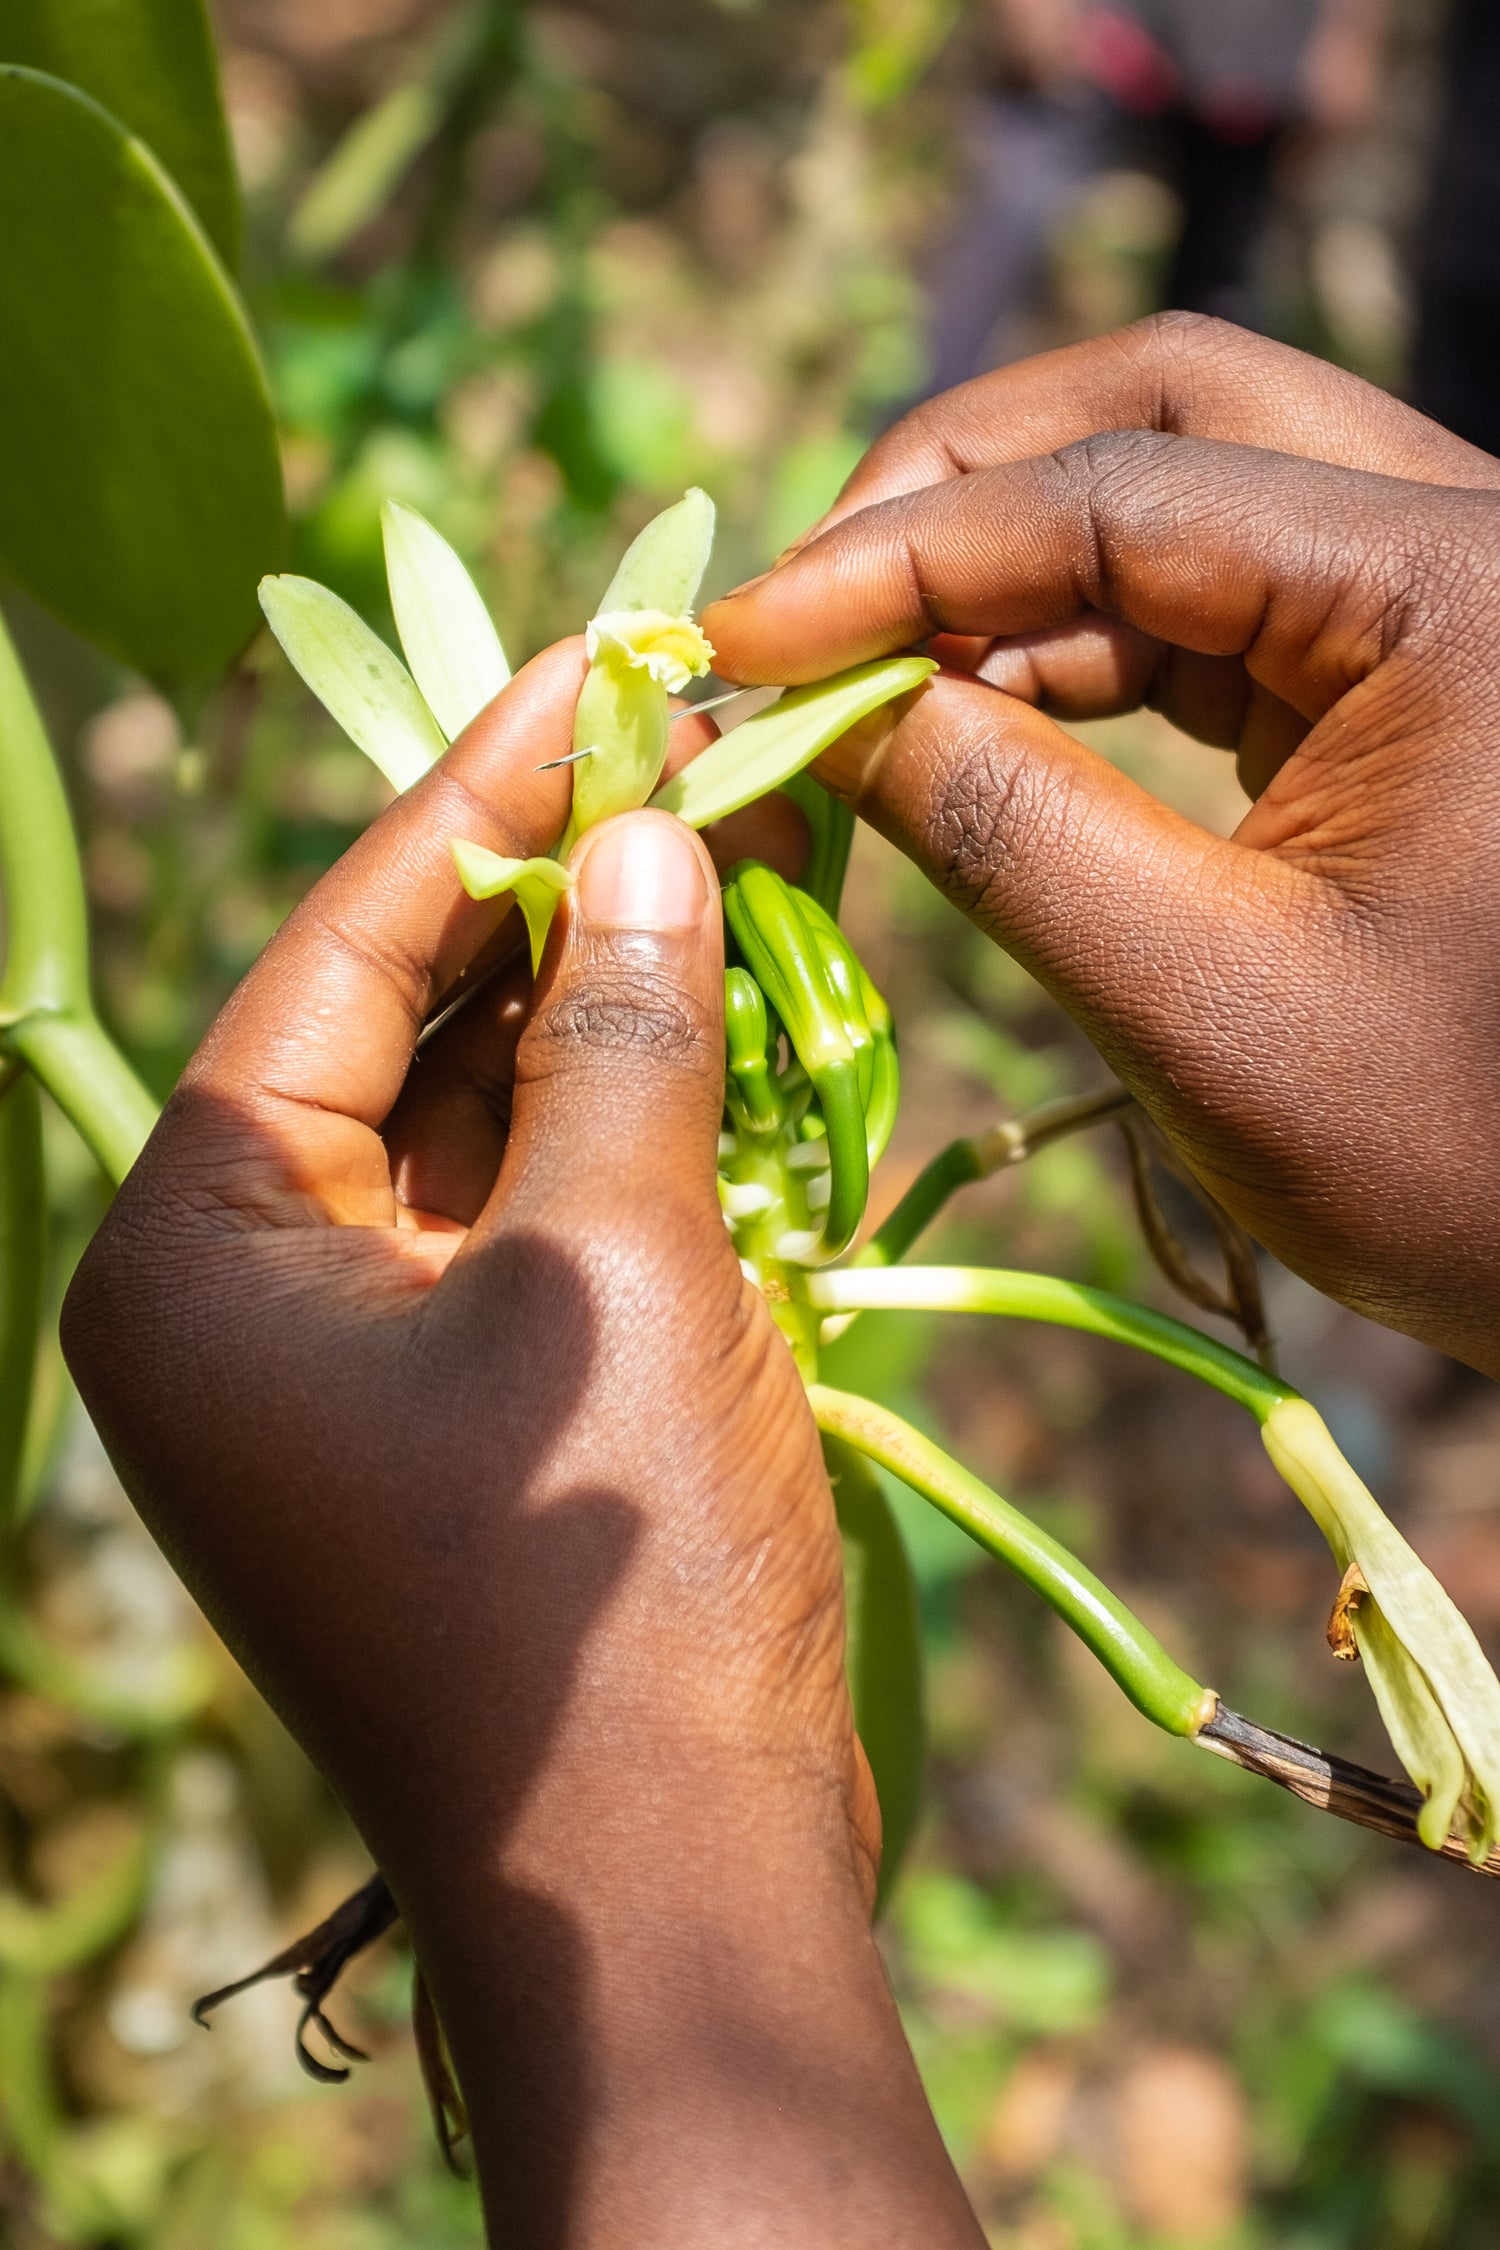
x,y
439,1380
440,1383
1293,567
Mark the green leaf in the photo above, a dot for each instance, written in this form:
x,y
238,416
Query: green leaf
x,y
472,54
762,753
447,632
355,676
363,171
150,63
883,1651
140,485
538,884
664,564
46,1940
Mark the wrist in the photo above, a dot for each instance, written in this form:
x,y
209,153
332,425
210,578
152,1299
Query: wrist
x,y
676,2027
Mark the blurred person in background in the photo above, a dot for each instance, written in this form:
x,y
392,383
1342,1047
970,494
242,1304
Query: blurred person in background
x,y
1458,320
1208,93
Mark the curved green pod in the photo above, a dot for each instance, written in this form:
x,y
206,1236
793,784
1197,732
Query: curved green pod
x,y
782,951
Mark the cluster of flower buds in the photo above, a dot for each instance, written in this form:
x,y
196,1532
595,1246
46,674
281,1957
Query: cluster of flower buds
x,y
834,1103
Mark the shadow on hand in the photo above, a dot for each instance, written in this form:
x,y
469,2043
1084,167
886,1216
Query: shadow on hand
x,y
350,1467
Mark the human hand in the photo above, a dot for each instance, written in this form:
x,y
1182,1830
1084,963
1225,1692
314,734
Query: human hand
x,y
1290,565
440,1383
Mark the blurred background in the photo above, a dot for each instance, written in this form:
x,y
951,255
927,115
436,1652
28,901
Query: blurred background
x,y
535,269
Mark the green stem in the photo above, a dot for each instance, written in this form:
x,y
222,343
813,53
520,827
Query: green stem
x,y
92,1084
47,1941
978,1155
22,1252
1154,1683
47,944
952,1168
46,1008
1036,1296
184,1682
29,2103
832,826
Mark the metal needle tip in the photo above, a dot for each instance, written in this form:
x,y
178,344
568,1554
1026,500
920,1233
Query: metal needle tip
x,y
572,758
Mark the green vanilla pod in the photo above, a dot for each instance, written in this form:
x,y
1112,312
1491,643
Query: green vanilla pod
x,y
885,1097
747,1034
782,953
845,977
831,822
869,1022
766,915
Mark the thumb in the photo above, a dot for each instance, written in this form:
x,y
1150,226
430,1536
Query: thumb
x,y
620,1074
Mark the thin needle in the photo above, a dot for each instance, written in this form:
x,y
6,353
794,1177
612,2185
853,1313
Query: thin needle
x,y
688,711
572,758
710,703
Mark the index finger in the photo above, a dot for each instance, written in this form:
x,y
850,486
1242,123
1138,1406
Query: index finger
x,y
1181,373
1214,548
311,1051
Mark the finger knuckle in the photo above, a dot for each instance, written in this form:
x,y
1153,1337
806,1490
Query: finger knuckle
x,y
1184,341
988,812
628,1012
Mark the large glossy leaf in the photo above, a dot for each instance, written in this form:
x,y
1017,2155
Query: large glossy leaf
x,y
140,486
883,1650
152,64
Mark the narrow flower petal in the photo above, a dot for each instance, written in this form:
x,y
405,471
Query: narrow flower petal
x,y
538,884
768,749
447,632
663,567
1420,1735
623,718
362,683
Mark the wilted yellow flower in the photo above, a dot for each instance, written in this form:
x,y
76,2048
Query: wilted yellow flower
x,y
1437,1694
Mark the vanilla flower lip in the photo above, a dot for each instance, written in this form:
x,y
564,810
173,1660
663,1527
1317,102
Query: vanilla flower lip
x,y
673,650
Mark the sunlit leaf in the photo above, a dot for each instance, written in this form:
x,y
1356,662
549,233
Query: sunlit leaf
x,y
538,884
140,484
151,64
663,566
447,632
355,676
767,750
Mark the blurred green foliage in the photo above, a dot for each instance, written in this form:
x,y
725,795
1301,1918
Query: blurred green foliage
x,y
534,271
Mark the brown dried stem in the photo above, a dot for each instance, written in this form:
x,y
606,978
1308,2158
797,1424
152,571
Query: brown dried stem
x,y
1331,1784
